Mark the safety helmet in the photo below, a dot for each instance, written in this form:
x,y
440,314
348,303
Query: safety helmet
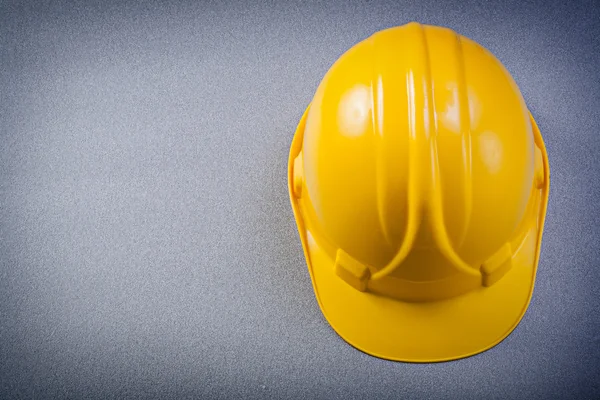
x,y
419,183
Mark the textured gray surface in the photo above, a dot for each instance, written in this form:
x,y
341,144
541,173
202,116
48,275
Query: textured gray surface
x,y
147,245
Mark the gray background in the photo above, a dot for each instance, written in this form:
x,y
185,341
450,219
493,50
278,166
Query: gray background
x,y
147,244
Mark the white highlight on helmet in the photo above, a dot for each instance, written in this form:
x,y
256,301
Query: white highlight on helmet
x,y
450,117
491,151
354,111
380,105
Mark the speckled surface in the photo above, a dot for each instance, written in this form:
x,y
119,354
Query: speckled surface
x,y
147,244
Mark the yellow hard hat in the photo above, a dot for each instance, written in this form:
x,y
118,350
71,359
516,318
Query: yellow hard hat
x,y
419,183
